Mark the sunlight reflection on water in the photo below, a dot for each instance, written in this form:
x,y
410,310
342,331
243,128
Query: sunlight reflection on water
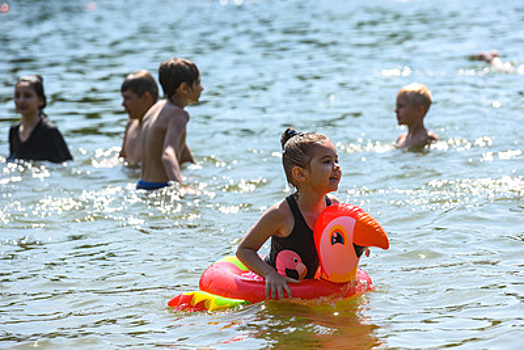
x,y
89,262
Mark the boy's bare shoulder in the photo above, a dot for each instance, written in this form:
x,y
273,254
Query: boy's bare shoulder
x,y
174,113
153,112
156,108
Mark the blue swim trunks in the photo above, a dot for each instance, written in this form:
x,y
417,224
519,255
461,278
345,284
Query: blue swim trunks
x,y
144,185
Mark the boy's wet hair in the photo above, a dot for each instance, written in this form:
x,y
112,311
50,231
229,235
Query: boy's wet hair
x,y
297,150
174,72
37,82
140,82
418,93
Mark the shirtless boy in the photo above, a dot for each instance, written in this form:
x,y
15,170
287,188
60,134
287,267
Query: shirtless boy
x,y
413,102
163,137
139,92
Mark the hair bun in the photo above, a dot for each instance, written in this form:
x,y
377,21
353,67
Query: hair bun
x,y
288,134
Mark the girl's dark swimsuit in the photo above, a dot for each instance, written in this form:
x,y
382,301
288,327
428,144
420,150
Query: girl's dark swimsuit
x,y
44,143
300,240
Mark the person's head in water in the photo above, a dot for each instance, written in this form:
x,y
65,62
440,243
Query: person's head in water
x,y
29,95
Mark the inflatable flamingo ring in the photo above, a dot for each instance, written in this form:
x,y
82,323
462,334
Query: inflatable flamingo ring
x,y
342,233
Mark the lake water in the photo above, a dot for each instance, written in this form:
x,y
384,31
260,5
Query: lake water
x,y
88,262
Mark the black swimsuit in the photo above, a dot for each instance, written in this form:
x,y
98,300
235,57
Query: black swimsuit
x,y
297,251
44,143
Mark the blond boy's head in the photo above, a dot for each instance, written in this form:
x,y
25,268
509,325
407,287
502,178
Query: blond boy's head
x,y
418,94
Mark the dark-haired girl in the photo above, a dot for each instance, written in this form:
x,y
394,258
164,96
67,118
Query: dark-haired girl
x,y
310,162
35,137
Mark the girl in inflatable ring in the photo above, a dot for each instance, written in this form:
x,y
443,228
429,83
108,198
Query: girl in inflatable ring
x,y
310,162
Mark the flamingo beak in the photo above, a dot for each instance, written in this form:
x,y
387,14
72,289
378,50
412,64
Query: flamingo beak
x,y
369,233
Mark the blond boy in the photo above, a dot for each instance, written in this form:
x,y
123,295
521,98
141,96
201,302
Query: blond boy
x,y
413,102
139,93
163,138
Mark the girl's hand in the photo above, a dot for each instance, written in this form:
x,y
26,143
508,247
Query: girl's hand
x,y
276,284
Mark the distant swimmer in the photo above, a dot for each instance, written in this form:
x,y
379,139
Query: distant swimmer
x,y
163,138
139,93
4,8
413,102
35,137
492,57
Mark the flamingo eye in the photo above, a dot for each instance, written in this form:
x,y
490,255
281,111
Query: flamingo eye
x,y
337,238
295,260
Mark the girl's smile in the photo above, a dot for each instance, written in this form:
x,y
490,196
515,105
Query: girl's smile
x,y
324,169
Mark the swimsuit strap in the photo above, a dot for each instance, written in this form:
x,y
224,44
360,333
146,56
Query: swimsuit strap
x,y
297,214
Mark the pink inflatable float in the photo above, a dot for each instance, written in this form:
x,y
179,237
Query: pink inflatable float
x,y
342,233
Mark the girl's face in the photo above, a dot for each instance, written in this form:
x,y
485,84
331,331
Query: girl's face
x,y
324,172
27,102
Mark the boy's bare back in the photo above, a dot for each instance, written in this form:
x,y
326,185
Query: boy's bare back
x,y
163,142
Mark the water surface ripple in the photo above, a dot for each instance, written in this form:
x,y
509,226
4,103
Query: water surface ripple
x,y
88,262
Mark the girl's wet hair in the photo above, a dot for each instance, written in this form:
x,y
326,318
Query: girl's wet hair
x,y
174,72
37,82
297,150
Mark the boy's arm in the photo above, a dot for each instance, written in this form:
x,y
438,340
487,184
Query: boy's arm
x,y
122,153
174,133
187,155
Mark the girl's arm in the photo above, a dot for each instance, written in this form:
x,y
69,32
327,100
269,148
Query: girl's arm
x,y
277,220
